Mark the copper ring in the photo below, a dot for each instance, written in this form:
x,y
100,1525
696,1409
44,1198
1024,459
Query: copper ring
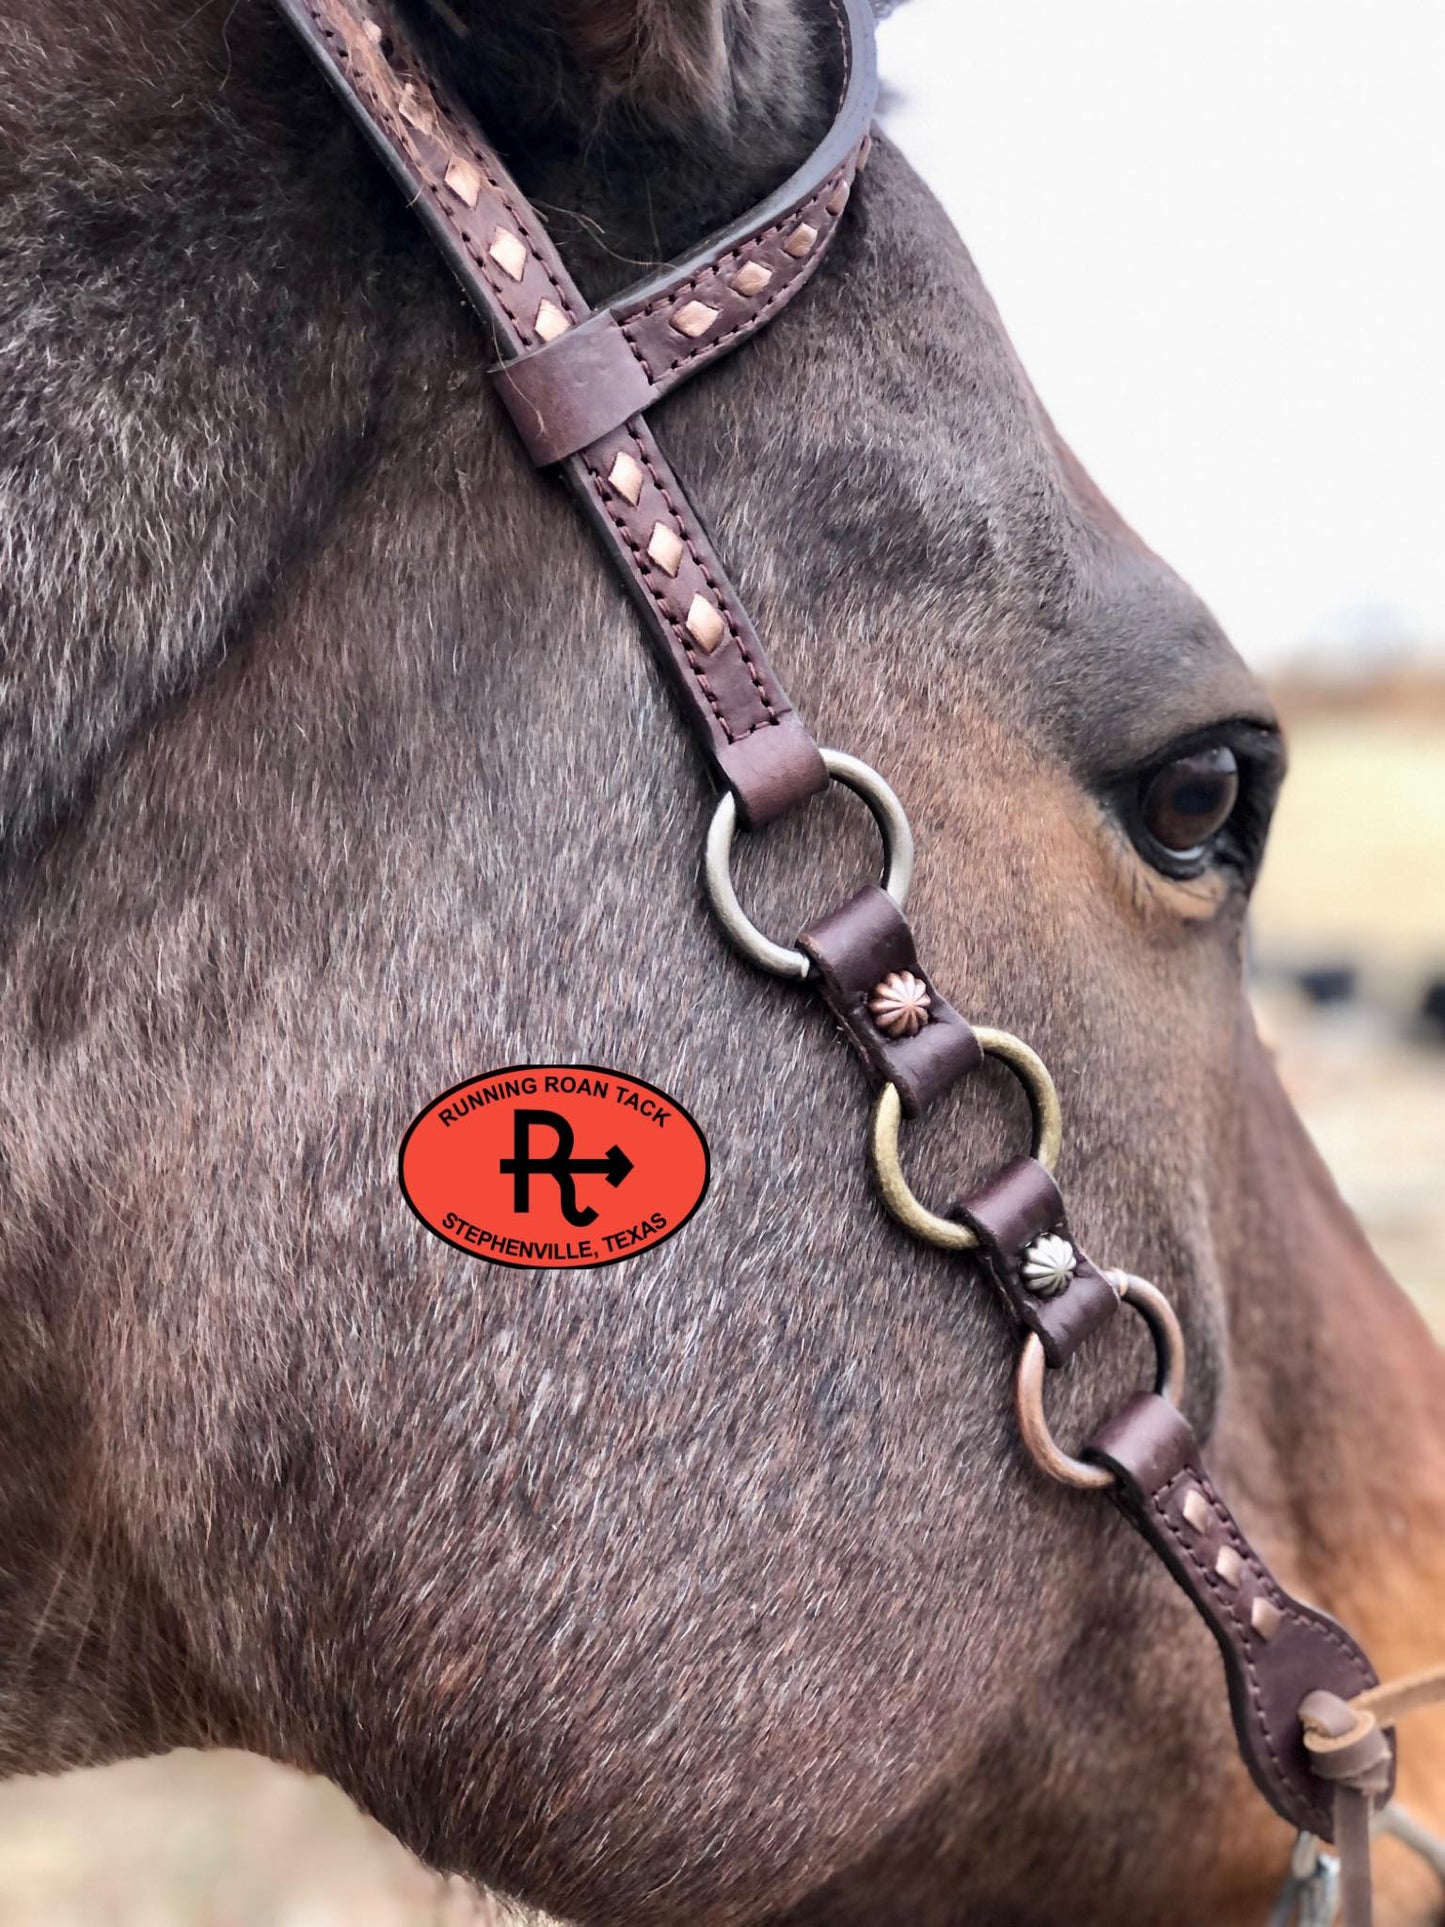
x,y
893,826
1032,1073
1158,1314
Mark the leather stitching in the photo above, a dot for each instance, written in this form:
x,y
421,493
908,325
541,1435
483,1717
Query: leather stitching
x,y
643,570
407,75
383,77
1293,1608
1226,1601
635,555
568,297
675,364
724,602
805,268
797,279
1230,1601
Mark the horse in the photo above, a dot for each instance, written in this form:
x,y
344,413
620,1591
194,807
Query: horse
x,y
713,1586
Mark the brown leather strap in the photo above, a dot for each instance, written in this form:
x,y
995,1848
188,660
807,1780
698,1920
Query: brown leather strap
x,y
576,384
1352,1843
857,951
1019,1204
1276,1650
584,403
697,626
1348,1748
1397,1699
619,361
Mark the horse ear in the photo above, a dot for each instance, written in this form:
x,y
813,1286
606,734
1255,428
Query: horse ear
x,y
667,65
667,58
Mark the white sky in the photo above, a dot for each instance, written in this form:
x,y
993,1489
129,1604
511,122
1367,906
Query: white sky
x,y
1217,236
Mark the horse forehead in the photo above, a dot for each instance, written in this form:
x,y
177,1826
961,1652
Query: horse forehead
x,y
900,463
935,490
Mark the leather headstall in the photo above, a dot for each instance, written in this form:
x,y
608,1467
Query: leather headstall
x,y
577,383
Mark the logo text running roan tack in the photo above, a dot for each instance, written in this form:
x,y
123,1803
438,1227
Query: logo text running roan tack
x,y
554,1165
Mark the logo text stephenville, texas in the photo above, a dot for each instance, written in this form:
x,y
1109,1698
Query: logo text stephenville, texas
x,y
554,1166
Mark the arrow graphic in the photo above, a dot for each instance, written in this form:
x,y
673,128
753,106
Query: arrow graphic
x,y
559,1165
615,1166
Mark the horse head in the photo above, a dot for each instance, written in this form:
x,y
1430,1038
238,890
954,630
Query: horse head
x,y
714,1585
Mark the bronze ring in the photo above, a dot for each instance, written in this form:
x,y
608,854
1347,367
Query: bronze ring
x,y
1158,1314
915,1216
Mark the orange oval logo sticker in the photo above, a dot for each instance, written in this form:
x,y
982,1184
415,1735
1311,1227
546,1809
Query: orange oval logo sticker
x,y
545,1165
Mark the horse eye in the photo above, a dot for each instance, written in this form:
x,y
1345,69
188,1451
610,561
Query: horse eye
x,y
1187,802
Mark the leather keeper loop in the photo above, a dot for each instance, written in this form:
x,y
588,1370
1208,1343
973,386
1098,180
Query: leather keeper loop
x,y
1021,1203
577,389
1358,1756
853,951
773,770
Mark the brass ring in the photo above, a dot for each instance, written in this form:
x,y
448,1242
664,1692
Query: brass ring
x,y
1048,1117
1158,1314
893,826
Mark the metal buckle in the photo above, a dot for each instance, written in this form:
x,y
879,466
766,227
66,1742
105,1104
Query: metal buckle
x,y
1310,1896
893,827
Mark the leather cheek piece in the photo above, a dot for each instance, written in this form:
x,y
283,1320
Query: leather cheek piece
x,y
852,950
1276,1650
730,695
1021,1203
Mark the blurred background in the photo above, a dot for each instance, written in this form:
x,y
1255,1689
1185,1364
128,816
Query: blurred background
x,y
1214,235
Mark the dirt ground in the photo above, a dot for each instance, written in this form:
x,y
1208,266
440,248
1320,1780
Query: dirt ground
x,y
1356,878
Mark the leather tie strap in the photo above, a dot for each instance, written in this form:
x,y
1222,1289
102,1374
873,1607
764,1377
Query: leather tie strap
x,y
1348,1748
576,382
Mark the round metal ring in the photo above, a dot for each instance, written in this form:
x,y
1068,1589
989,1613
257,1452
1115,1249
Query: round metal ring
x,y
1032,1073
893,827
1158,1314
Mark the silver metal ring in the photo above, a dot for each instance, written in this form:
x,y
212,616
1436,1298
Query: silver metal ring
x,y
1158,1314
893,827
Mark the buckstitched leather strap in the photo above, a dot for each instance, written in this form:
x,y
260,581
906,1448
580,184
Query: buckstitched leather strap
x,y
621,359
1276,1649
576,382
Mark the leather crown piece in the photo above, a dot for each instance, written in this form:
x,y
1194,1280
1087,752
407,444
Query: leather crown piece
x,y
575,381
